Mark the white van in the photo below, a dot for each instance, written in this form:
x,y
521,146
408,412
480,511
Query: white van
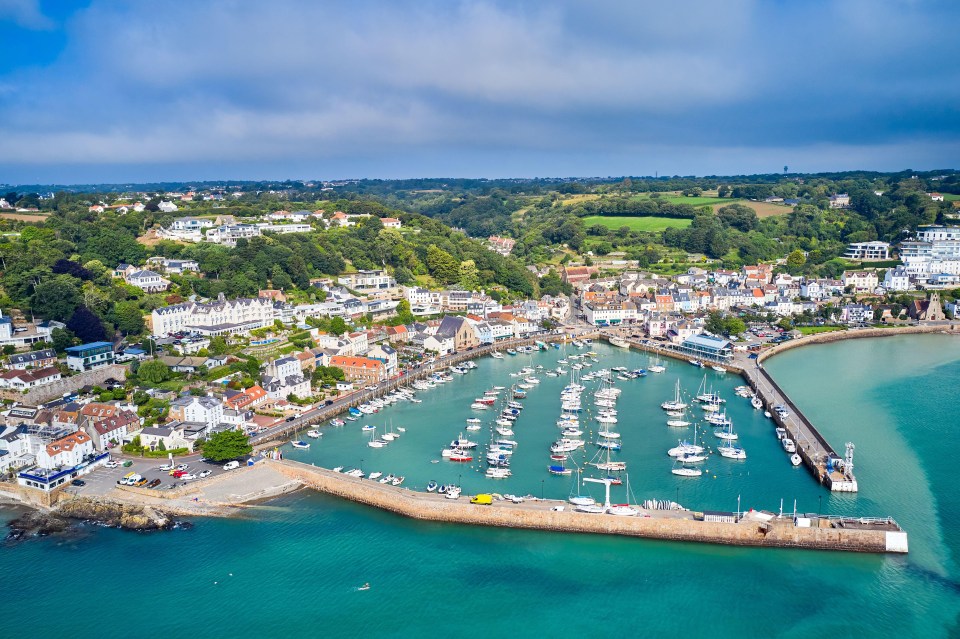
x,y
231,465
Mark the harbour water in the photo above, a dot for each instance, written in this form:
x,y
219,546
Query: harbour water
x,y
292,568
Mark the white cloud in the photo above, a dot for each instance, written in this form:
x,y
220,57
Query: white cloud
x,y
25,13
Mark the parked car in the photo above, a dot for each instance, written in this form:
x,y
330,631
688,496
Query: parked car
x,y
111,464
205,473
188,476
231,465
177,474
154,483
78,482
182,467
142,482
166,467
291,418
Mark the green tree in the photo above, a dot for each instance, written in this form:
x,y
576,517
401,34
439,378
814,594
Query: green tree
x,y
338,326
227,444
56,297
469,275
442,265
796,259
404,315
61,339
153,372
161,445
129,318
218,346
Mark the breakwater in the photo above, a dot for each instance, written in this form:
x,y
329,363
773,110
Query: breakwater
x,y
857,535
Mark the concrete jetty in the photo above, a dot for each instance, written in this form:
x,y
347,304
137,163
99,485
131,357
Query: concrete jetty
x,y
744,529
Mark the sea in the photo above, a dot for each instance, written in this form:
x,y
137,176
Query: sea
x,y
295,566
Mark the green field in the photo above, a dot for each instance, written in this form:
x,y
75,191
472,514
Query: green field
x,y
697,201
950,197
648,224
812,330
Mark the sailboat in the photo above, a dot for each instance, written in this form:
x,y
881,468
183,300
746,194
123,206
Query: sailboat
x,y
686,448
580,499
731,450
675,403
374,442
656,367
684,470
676,419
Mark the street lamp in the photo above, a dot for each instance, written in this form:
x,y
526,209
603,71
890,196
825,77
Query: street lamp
x,y
819,509
541,489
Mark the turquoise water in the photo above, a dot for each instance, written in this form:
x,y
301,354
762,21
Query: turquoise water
x,y
292,568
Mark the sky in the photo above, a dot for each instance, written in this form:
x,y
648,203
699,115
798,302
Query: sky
x,y
131,90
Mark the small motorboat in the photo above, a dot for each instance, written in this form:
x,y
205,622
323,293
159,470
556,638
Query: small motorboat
x,y
299,443
337,422
396,481
367,427
795,459
431,486
316,434
376,475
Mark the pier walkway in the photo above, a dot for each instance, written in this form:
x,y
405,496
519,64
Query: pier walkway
x,y
745,529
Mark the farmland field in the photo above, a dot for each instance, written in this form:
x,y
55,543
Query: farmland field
x,y
25,217
647,224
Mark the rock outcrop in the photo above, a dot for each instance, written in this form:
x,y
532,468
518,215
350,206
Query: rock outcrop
x,y
116,514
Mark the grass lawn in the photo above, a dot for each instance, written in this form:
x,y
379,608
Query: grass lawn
x,y
647,224
698,201
813,330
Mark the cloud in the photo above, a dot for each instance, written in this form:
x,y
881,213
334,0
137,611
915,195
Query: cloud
x,y
485,86
25,14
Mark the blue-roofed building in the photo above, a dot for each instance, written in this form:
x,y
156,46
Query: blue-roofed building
x,y
89,356
707,347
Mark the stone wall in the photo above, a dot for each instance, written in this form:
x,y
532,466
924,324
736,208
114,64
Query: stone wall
x,y
836,336
538,516
56,389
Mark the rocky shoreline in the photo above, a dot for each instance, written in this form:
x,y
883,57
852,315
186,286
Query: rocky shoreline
x,y
64,519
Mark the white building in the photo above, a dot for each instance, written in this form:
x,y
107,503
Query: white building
x,y
839,201
66,451
222,317
861,281
148,281
369,281
868,251
167,207
205,410
897,279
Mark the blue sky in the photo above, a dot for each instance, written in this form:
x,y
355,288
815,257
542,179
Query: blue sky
x,y
129,90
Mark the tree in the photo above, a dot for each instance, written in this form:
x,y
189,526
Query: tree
x,y
61,339
153,372
9,349
338,326
469,275
404,315
442,265
227,444
129,318
161,445
218,346
796,259
56,298
86,325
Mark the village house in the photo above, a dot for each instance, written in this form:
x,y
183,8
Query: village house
x,y
363,369
577,275
67,451
861,281
24,380
34,359
247,399
111,429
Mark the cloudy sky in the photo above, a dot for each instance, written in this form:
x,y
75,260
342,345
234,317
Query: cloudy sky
x,y
131,90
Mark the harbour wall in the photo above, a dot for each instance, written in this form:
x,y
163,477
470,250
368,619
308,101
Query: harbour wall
x,y
539,515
